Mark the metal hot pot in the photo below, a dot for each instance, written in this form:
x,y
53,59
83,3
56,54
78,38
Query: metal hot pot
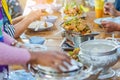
x,y
76,73
100,53
47,73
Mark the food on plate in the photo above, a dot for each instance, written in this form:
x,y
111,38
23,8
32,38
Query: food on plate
x,y
76,25
40,25
74,54
45,24
74,9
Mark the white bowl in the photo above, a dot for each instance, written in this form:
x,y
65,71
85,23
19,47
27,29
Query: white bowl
x,y
56,7
50,19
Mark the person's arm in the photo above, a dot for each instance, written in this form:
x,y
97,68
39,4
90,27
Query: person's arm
x,y
12,55
8,39
110,26
17,19
117,13
118,27
21,26
110,9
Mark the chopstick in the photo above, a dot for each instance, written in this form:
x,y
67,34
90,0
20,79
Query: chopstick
x,y
36,28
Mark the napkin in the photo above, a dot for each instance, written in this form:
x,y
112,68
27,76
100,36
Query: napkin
x,y
37,40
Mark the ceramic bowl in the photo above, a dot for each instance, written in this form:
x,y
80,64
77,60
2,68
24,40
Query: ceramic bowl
x,y
50,18
56,7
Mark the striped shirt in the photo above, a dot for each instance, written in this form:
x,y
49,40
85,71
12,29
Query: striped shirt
x,y
7,21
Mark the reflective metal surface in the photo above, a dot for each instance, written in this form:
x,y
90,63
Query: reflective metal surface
x,y
77,38
100,54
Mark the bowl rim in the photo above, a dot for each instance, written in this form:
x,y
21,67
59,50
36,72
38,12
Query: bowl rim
x,y
51,17
39,70
110,52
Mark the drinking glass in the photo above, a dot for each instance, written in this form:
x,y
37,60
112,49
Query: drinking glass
x,y
99,4
49,1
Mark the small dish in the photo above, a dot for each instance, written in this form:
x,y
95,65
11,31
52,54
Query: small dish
x,y
50,18
56,7
40,25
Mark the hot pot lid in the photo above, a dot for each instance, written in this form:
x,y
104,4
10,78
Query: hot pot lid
x,y
99,47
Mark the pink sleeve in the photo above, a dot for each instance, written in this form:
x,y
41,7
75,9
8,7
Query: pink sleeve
x,y
12,55
8,39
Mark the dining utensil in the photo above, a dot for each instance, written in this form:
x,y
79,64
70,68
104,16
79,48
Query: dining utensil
x,y
36,28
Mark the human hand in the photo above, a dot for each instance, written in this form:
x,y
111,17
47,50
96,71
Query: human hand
x,y
110,26
18,44
53,59
34,15
110,9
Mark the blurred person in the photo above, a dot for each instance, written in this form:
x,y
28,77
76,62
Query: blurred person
x,y
15,8
18,25
9,54
110,9
117,4
13,55
110,26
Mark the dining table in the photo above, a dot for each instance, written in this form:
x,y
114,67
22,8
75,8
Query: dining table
x,y
54,39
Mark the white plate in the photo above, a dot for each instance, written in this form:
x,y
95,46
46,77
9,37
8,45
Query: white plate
x,y
40,26
116,20
98,21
